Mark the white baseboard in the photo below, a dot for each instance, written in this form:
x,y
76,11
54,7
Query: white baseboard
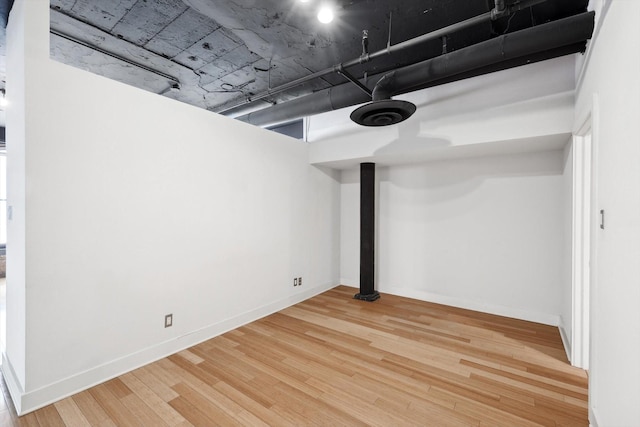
x,y
566,342
514,313
351,283
592,418
11,379
29,401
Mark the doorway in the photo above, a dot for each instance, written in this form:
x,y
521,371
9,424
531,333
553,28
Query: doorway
x,y
582,262
3,244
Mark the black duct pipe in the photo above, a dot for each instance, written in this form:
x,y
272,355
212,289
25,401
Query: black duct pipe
x,y
561,37
525,42
497,12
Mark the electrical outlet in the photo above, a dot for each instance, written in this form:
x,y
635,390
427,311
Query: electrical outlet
x,y
168,320
299,281
295,281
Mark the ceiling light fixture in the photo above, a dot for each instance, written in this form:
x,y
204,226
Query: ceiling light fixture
x,y
325,14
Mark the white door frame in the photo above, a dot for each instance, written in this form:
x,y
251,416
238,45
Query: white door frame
x,y
581,245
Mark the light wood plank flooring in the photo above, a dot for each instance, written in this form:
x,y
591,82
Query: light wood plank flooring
x,y
336,361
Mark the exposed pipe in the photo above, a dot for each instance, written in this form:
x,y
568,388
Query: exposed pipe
x,y
560,37
389,50
355,81
499,9
172,79
543,37
385,86
365,43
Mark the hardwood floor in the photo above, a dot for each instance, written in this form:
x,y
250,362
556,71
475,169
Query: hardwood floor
x,y
336,361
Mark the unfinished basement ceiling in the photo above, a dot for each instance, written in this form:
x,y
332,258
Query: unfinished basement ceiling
x,y
219,54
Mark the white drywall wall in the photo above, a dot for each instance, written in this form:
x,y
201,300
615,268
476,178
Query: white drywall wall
x,y
16,296
609,94
136,206
483,233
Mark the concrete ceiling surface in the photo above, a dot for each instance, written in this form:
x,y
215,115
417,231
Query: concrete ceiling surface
x,y
216,54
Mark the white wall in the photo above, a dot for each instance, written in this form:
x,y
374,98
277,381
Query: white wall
x,y
609,93
482,233
137,206
471,183
15,348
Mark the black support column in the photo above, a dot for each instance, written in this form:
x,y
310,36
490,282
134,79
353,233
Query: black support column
x,y
367,232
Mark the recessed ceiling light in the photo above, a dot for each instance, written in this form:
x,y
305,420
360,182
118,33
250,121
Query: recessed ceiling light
x,y
325,14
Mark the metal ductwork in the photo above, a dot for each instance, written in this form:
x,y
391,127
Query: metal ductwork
x,y
5,8
383,111
545,41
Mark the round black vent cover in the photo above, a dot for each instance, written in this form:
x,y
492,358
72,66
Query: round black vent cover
x,y
383,113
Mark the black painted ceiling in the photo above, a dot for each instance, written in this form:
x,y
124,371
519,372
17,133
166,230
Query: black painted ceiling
x,y
219,52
